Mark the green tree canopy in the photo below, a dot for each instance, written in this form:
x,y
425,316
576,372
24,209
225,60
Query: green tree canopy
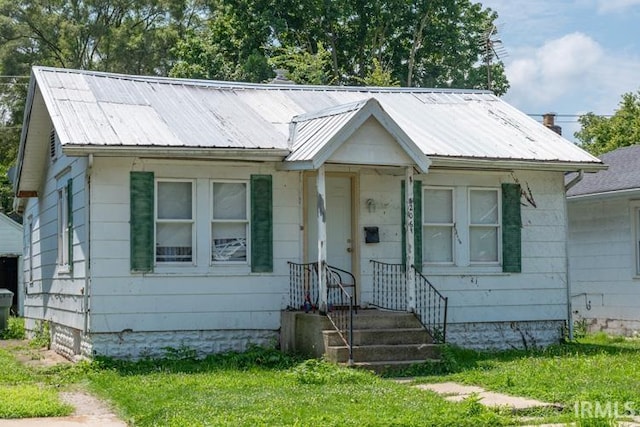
x,y
426,43
600,134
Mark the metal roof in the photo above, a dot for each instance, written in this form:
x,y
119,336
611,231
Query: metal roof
x,y
622,175
92,109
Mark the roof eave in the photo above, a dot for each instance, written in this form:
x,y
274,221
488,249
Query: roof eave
x,y
226,153
627,192
513,164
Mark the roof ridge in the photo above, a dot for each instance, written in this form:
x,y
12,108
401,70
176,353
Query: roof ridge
x,y
220,84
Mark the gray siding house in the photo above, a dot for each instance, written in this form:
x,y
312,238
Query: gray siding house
x,y
166,212
604,243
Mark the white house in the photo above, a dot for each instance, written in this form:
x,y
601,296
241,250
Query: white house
x,y
11,260
166,212
604,243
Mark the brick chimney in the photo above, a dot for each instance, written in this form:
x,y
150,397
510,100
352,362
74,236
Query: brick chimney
x,y
549,121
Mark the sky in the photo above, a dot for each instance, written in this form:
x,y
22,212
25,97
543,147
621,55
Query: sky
x,y
569,57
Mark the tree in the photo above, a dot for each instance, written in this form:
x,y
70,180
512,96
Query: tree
x,y
600,134
427,43
126,36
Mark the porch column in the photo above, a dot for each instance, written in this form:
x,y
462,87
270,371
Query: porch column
x,y
410,240
322,241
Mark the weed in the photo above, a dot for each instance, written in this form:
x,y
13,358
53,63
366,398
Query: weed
x,y
316,371
15,329
42,335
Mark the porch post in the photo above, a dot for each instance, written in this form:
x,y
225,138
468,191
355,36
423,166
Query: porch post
x,y
322,241
410,240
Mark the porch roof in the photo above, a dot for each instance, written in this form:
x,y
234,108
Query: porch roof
x,y
315,137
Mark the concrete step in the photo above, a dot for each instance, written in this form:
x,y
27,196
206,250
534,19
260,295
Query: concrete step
x,y
380,336
379,319
385,367
383,353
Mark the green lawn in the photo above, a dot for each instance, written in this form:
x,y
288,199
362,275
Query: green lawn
x,y
27,392
264,387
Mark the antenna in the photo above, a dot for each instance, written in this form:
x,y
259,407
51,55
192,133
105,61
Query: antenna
x,y
492,48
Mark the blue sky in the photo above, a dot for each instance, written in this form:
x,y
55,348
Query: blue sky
x,y
569,56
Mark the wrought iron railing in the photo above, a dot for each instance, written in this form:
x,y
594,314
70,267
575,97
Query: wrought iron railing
x,y
341,301
431,307
341,305
389,286
303,286
390,293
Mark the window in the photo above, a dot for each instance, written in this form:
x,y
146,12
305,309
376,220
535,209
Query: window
x,y
65,225
461,226
635,209
438,225
484,224
229,222
165,216
174,221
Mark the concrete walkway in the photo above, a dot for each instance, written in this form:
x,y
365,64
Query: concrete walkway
x,y
455,392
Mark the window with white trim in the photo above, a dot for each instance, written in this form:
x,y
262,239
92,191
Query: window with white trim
x,y
63,227
438,225
461,226
635,209
229,221
484,225
174,221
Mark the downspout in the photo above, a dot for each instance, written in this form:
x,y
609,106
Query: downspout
x,y
87,273
567,187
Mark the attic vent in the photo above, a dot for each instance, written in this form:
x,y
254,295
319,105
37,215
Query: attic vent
x,y
52,143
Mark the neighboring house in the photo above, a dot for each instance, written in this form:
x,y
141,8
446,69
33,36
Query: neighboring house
x,y
11,260
604,244
166,212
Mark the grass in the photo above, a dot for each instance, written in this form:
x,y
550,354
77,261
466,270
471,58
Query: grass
x,y
29,392
265,387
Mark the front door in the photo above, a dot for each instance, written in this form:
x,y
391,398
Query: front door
x,y
339,234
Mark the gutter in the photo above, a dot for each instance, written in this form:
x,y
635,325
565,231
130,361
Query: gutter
x,y
574,181
87,274
567,187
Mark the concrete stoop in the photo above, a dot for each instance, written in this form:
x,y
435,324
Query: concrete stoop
x,y
383,341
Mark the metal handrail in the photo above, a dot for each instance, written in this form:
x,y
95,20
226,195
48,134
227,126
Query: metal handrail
x,y
390,293
304,294
431,307
342,320
389,286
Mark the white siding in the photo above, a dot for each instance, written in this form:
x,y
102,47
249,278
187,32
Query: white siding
x,y
481,294
53,294
193,297
10,237
604,283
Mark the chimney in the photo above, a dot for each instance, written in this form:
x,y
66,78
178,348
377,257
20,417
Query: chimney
x,y
549,121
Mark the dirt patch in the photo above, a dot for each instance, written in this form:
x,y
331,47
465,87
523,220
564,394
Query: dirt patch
x,y
88,409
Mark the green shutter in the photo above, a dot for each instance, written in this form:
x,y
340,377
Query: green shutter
x,y
417,223
261,224
511,229
70,220
141,221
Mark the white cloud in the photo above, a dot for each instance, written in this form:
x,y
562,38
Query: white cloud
x,y
547,73
606,6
